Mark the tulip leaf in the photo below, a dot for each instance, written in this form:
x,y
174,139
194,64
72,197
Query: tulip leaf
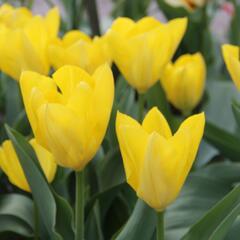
x,y
49,205
16,214
13,103
202,190
156,97
140,225
217,221
227,143
236,112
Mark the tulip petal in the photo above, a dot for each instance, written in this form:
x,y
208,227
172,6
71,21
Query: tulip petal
x,y
155,121
67,77
231,58
52,22
132,140
66,135
46,160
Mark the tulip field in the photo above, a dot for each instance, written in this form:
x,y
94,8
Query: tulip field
x,y
120,119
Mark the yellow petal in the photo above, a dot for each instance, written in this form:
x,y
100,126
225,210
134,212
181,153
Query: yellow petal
x,y
122,25
66,135
46,160
231,58
163,163
67,77
52,21
73,36
155,121
194,126
29,81
132,140
11,166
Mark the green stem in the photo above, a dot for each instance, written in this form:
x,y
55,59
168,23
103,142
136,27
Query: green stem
x,y
160,226
141,102
36,222
79,210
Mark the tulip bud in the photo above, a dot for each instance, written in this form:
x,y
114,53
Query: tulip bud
x,y
155,161
231,55
142,49
184,81
77,48
69,113
10,164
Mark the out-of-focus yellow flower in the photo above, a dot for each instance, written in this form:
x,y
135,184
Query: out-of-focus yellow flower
x,y
184,81
190,5
26,47
231,55
10,164
142,49
155,161
77,48
69,113
14,17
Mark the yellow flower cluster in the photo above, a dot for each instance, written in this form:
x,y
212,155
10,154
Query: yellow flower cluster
x,y
69,112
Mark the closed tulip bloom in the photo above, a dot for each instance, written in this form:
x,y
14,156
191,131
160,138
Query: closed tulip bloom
x,y
10,164
184,81
69,113
142,49
231,55
26,47
190,5
156,162
77,48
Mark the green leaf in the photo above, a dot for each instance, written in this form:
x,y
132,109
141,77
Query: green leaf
x,y
227,143
16,214
156,97
216,223
50,206
202,190
140,225
236,112
13,101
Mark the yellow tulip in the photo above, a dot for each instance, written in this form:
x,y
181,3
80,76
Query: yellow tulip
x,y
190,5
184,81
142,49
10,164
231,55
14,17
155,161
77,48
26,47
69,113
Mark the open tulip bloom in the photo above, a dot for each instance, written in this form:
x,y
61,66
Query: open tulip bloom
x,y
156,162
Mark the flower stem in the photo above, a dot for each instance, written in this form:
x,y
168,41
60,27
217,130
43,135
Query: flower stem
x,y
79,210
141,102
160,226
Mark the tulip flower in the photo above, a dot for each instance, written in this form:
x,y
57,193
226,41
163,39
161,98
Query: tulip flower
x,y
231,55
77,48
14,17
69,112
26,47
184,81
155,161
142,49
190,5
10,164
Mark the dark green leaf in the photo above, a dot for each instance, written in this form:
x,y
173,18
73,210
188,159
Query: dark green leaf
x,y
16,214
217,221
227,143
